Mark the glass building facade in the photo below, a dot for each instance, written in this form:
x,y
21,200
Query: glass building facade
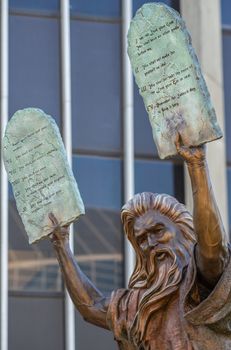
x,y
36,292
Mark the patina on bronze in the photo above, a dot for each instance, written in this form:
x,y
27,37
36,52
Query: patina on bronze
x,y
179,295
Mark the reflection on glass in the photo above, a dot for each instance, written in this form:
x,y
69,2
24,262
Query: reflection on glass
x,y
98,245
31,267
98,249
98,238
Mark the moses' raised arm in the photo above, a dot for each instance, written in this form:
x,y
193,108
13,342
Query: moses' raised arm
x,y
212,249
89,301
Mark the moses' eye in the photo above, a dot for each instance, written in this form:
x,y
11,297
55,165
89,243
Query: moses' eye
x,y
165,237
141,239
159,228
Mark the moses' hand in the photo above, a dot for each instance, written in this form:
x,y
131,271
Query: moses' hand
x,y
59,233
192,155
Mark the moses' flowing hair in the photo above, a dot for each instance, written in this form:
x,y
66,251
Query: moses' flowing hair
x,y
165,205
168,275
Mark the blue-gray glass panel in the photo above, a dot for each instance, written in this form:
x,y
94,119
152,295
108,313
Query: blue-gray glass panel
x,y
98,247
98,239
99,181
143,139
96,86
154,176
229,197
34,5
102,8
10,191
138,3
33,267
34,66
91,337
36,323
95,223
226,11
227,88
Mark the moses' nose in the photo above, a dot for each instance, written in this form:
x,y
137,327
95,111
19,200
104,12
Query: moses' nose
x,y
151,239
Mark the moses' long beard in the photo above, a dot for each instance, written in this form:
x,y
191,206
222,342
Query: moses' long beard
x,y
165,272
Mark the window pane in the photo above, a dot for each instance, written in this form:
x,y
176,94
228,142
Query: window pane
x,y
227,87
138,3
226,11
229,197
154,176
179,177
34,5
34,64
98,237
92,337
144,143
96,86
99,181
102,8
98,247
36,323
33,267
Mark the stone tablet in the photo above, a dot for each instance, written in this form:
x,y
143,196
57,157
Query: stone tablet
x,y
169,78
37,166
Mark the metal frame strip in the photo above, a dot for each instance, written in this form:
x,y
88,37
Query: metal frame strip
x,y
128,126
67,136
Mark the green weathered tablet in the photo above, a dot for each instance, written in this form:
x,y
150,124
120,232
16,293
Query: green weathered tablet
x,y
37,166
169,78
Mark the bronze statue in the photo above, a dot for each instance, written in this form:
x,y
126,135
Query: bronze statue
x,y
179,295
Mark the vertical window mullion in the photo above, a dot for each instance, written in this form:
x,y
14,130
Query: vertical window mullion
x,y
67,136
128,126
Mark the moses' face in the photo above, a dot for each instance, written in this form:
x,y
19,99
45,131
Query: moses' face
x,y
153,231
160,241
